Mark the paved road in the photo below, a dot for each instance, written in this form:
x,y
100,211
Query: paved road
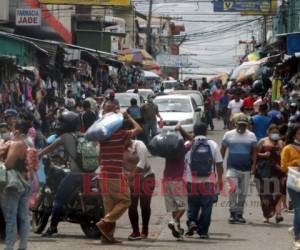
x,y
254,235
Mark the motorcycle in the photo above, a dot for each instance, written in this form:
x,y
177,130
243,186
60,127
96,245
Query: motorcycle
x,y
82,209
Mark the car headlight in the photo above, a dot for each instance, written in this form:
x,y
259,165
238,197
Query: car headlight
x,y
187,121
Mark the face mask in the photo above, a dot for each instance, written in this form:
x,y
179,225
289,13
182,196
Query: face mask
x,y
241,130
275,136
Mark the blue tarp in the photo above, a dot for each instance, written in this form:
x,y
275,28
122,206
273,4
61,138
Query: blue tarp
x,y
293,43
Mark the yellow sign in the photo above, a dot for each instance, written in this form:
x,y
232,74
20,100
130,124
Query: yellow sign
x,y
265,9
88,2
228,5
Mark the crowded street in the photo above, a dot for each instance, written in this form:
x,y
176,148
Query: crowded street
x,y
254,235
149,124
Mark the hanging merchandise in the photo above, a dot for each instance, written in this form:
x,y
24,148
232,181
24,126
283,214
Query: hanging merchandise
x,y
276,89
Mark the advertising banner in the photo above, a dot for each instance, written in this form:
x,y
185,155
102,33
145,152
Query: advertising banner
x,y
88,2
28,17
242,5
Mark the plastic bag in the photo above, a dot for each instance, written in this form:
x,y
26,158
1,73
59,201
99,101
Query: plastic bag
x,y
104,127
168,145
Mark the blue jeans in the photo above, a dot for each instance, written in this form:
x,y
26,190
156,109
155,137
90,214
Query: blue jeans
x,y
150,130
209,118
295,197
65,190
200,198
15,211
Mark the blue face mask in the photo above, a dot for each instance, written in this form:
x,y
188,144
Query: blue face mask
x,y
275,136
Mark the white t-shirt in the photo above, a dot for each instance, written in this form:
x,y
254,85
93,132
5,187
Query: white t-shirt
x,y
70,102
217,157
235,107
143,154
256,104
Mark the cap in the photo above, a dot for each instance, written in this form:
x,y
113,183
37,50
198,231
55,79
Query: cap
x,y
10,112
242,119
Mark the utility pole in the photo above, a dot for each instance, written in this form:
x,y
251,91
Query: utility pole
x,y
265,31
149,33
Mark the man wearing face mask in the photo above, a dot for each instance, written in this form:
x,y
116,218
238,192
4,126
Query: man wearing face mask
x,y
4,132
242,153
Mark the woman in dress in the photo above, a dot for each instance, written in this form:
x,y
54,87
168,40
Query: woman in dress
x,y
270,179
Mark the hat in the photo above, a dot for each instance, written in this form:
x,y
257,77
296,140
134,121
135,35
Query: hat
x,y
242,119
10,112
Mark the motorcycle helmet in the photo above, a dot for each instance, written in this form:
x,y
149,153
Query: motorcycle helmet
x,y
68,122
258,87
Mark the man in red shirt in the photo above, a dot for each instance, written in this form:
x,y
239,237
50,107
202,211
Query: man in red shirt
x,y
248,103
217,94
115,190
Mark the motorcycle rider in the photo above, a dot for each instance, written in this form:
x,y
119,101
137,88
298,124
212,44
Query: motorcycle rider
x,y
69,124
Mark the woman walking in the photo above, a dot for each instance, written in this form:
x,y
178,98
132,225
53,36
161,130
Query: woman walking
x,y
15,201
270,179
290,157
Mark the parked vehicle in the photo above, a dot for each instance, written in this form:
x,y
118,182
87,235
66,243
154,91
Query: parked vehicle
x,y
144,93
197,96
169,85
124,100
178,108
83,209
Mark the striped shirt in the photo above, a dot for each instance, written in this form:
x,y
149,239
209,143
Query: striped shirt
x,y
112,151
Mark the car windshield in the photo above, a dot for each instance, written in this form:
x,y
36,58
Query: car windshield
x,y
169,85
124,100
173,105
145,94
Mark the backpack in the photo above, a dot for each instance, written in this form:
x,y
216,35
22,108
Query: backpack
x,y
87,154
201,159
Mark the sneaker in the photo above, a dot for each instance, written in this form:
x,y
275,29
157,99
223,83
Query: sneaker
x,y
50,232
105,229
172,227
296,245
144,234
111,241
232,219
291,230
279,219
240,219
204,236
191,229
134,236
181,234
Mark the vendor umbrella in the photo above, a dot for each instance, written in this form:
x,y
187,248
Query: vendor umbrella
x,y
134,55
221,77
247,69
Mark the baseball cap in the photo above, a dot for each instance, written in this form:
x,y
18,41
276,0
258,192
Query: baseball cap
x,y
242,119
10,112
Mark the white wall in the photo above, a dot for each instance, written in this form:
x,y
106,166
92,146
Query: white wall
x,y
4,11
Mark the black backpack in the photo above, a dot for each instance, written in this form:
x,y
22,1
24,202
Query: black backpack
x,y
201,159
